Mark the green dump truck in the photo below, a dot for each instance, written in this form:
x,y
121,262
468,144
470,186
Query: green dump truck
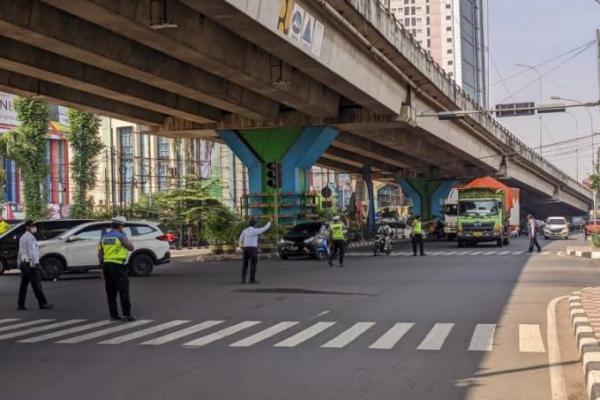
x,y
484,213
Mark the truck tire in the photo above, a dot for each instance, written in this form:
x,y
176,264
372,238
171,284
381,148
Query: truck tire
x,y
461,243
283,256
499,242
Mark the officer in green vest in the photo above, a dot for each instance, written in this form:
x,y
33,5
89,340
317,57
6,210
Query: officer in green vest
x,y
112,252
336,228
417,235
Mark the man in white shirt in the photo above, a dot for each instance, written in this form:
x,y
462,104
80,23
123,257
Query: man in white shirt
x,y
249,245
532,233
29,264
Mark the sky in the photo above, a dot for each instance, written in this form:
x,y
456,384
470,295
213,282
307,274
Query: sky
x,y
531,32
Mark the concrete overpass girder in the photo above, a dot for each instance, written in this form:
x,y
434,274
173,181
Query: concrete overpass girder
x,y
201,42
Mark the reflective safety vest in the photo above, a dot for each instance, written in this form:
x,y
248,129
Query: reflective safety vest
x,y
113,250
337,231
4,226
416,227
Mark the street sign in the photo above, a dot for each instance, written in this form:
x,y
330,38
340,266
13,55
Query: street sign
x,y
326,192
515,109
551,108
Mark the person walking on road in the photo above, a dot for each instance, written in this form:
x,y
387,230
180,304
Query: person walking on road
x,y
29,264
417,236
112,252
249,244
336,228
532,233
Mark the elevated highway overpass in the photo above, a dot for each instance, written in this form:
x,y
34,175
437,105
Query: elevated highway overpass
x,y
353,90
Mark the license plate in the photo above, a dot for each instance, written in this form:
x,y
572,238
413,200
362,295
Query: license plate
x,y
478,234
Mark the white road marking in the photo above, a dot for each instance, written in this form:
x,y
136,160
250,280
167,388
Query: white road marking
x,y
348,335
40,329
503,253
223,333
433,253
264,334
475,253
105,332
322,313
24,324
5,320
451,253
487,253
436,337
144,332
304,335
190,330
530,339
516,253
483,337
392,336
65,332
557,378
462,253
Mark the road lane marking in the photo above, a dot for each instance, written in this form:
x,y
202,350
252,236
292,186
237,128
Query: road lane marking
x,y
475,253
451,253
65,332
5,320
483,337
462,253
504,252
144,332
392,336
436,337
434,253
190,330
530,339
223,333
29,331
348,335
24,324
487,253
304,335
264,334
516,253
105,332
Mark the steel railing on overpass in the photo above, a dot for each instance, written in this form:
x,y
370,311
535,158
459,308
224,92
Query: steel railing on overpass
x,y
412,50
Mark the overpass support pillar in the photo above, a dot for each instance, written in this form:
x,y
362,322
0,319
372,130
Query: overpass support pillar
x,y
366,173
427,196
295,149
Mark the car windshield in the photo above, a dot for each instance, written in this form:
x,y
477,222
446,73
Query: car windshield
x,y
12,229
478,207
556,221
306,229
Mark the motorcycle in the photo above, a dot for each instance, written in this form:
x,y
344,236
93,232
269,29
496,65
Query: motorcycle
x,y
382,244
321,248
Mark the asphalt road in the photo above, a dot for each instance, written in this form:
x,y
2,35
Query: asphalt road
x,y
456,324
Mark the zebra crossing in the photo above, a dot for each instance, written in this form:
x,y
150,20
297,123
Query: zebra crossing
x,y
446,253
285,334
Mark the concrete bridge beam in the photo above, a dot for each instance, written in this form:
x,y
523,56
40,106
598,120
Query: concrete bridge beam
x,y
43,26
205,44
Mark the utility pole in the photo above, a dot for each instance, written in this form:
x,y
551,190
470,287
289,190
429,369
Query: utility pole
x,y
112,170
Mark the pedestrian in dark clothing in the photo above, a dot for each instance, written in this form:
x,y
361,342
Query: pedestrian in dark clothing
x,y
532,233
249,244
112,252
29,264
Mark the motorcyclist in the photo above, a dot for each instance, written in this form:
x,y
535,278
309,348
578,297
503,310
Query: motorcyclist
x,y
385,233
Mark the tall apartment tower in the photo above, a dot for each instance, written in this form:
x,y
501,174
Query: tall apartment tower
x,y
453,32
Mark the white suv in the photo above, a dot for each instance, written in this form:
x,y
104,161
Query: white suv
x,y
556,227
77,248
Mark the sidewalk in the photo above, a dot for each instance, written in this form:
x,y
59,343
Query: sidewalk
x,y
583,249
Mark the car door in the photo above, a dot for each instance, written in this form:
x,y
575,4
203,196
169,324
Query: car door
x,y
82,246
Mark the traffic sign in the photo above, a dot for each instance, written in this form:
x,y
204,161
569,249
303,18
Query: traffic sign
x,y
515,109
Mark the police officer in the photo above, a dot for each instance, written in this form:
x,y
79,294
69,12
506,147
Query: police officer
x,y
113,254
337,238
417,236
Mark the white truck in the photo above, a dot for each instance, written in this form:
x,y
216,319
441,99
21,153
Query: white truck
x,y
451,214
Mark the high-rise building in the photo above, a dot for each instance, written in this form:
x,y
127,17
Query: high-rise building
x,y
453,32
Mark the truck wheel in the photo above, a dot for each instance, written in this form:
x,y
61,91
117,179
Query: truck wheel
x,y
142,265
283,256
51,268
499,242
461,243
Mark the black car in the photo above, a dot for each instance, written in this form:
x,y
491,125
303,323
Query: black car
x,y
302,239
48,229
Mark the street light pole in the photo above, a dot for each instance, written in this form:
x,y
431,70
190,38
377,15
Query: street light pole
x,y
531,67
576,150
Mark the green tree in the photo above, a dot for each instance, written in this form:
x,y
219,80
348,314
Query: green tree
x,y
26,145
86,144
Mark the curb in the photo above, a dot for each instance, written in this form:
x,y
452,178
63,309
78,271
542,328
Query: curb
x,y
587,343
581,254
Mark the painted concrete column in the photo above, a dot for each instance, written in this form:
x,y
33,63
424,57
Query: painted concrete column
x,y
371,195
427,196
